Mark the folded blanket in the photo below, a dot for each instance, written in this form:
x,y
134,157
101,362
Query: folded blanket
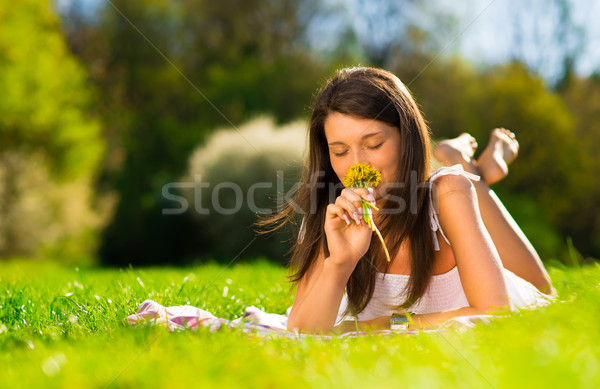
x,y
258,322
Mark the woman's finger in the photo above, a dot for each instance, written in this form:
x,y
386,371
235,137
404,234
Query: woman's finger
x,y
352,195
356,195
353,211
338,211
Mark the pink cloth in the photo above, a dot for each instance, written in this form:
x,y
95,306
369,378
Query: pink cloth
x,y
257,322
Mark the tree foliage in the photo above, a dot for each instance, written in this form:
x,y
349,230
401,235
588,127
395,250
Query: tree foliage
x,y
582,97
169,73
550,168
166,74
50,146
44,96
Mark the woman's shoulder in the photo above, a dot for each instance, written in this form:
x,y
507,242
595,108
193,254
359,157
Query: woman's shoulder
x,y
443,181
452,171
447,184
451,179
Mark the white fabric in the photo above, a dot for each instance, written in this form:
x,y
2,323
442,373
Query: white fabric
x,y
445,292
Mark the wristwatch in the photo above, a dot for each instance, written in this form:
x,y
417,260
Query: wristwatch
x,y
400,321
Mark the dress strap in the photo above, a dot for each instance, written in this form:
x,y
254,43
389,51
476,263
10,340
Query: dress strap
x,y
455,170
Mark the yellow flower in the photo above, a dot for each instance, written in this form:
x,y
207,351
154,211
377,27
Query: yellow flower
x,y
362,175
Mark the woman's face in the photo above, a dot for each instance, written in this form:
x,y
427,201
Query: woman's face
x,y
353,139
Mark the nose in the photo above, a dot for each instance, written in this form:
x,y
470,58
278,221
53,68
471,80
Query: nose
x,y
358,156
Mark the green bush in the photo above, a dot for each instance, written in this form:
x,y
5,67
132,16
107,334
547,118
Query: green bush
x,y
44,217
258,161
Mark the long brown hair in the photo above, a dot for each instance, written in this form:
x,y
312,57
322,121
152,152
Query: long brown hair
x,y
372,94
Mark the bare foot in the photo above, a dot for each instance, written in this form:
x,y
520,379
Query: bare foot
x,y
457,150
499,153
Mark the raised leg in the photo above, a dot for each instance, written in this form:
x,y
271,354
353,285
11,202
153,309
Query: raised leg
x,y
515,250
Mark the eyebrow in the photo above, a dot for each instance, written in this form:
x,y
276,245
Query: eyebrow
x,y
363,137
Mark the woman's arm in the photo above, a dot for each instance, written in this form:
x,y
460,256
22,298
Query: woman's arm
x,y
318,297
321,289
477,259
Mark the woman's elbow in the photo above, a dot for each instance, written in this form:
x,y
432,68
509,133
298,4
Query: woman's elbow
x,y
304,327
499,307
293,324
307,329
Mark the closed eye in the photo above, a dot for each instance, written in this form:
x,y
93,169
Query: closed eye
x,y
369,147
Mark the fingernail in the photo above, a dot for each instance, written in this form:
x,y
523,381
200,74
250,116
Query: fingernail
x,y
357,220
346,219
371,198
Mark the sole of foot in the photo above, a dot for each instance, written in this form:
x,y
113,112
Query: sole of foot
x,y
456,150
502,149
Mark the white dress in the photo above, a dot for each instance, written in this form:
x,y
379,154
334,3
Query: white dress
x,y
445,291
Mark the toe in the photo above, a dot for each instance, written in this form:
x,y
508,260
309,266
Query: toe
x,y
508,132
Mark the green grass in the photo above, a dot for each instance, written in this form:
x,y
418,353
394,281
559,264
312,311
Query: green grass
x,y
63,327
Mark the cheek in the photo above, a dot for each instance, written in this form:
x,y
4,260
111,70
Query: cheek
x,y
340,169
389,165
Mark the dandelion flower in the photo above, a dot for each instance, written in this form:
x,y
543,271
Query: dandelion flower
x,y
363,175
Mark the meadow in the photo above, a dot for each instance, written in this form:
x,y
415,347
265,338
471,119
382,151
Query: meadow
x,y
63,327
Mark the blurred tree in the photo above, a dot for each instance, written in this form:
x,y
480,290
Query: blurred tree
x,y
547,38
377,32
170,72
550,169
47,139
380,25
582,96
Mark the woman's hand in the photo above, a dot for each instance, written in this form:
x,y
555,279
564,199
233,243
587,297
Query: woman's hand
x,y
348,236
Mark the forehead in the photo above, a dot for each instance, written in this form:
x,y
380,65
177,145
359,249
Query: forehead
x,y
341,128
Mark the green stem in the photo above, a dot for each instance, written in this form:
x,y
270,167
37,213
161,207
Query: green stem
x,y
387,254
373,227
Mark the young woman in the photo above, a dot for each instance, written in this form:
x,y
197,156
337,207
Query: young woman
x,y
455,250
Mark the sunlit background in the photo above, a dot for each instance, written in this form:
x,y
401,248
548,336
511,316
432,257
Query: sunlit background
x,y
104,103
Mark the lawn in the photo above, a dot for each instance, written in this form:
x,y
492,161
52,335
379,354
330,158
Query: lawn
x,y
63,327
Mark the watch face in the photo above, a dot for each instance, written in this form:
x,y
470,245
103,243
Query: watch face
x,y
398,322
